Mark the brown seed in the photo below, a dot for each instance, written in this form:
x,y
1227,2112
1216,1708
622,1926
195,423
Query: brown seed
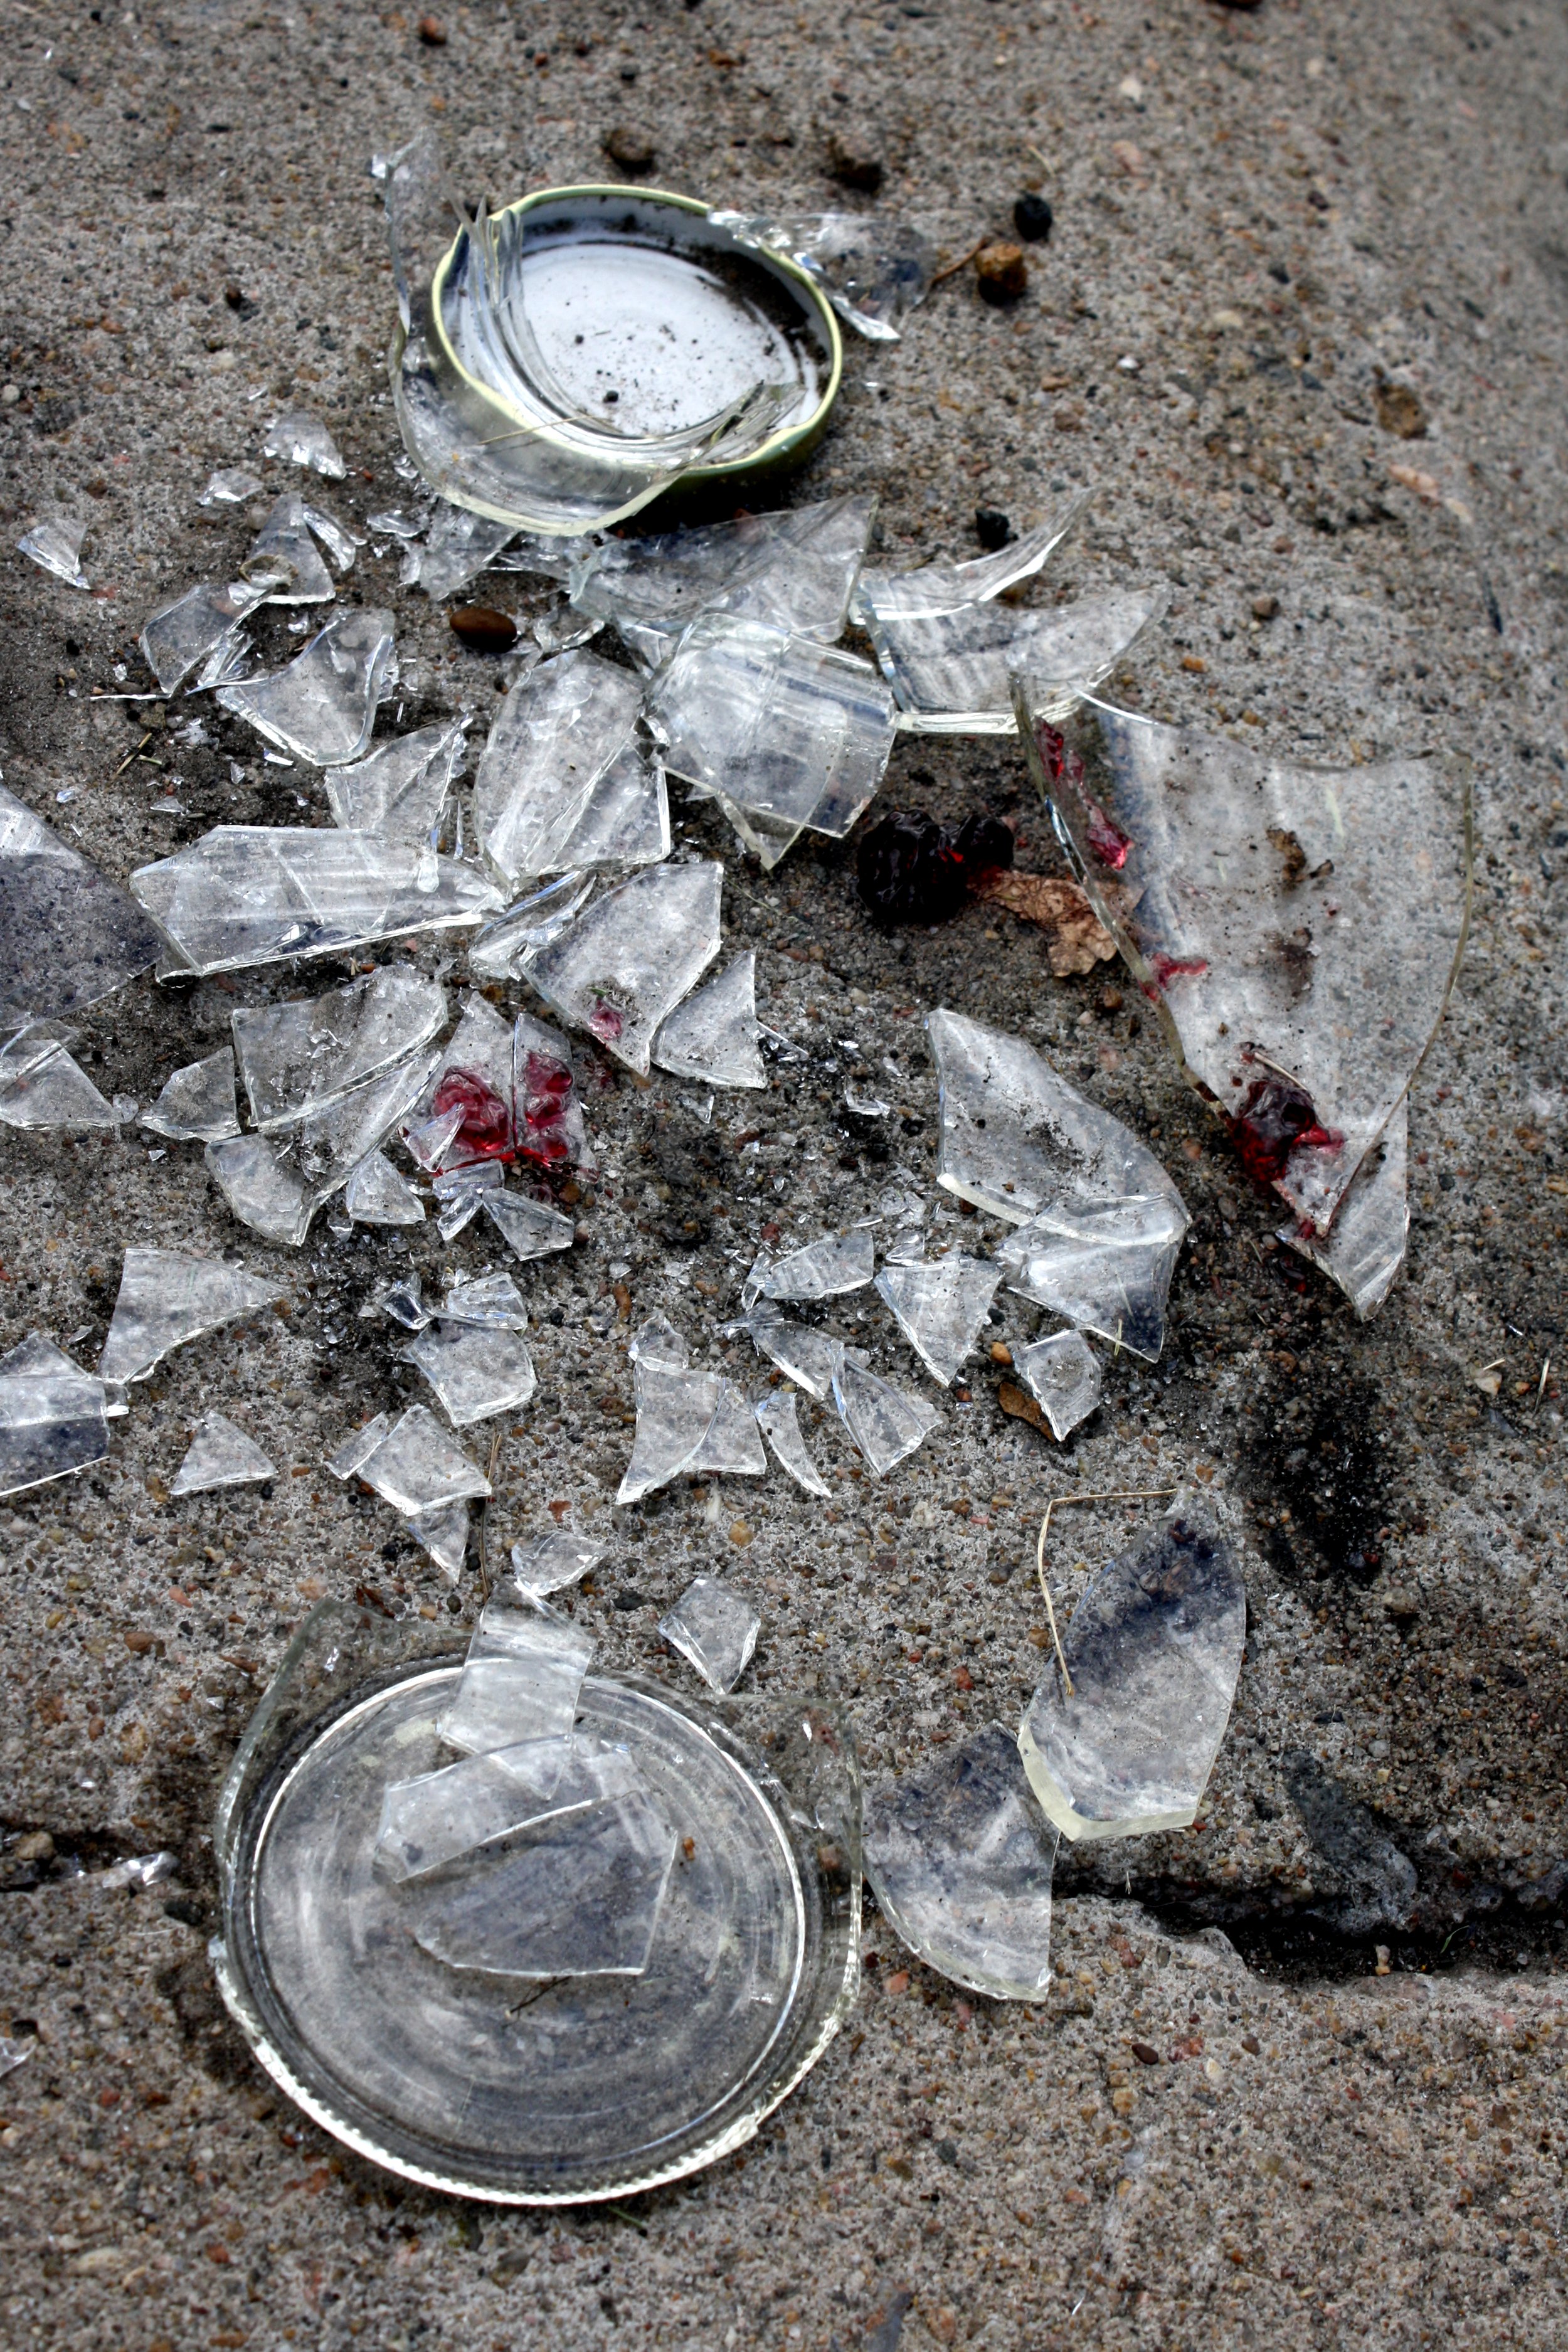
x,y
1003,272
432,33
1265,608
1000,1352
484,630
634,151
1145,2055
1399,410
852,157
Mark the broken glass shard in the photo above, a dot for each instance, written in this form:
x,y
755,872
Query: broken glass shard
x,y
885,1422
359,1447
552,1561
713,1035
716,1628
284,561
443,1530
1153,1652
777,1420
377,1194
475,1077
811,1358
626,963
555,736
41,1086
298,1058
230,487
952,672
167,1298
476,1371
1104,1265
261,1189
458,547
461,1193
731,1443
783,732
1365,1245
180,635
947,587
71,938
220,1454
940,1307
658,1342
340,544
322,707
624,819
687,1421
276,1183
429,1139
300,439
197,1104
55,545
521,1680
52,1415
962,1857
1300,967
550,1128
821,1269
414,1466
582,1897
444,1815
1063,1376
561,630
873,271
263,894
501,951
401,788
491,1301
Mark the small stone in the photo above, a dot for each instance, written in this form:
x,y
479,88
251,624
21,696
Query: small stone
x,y
36,1846
1399,410
1401,1605
1003,272
852,158
432,33
1265,608
484,630
1032,218
993,528
1000,1352
633,150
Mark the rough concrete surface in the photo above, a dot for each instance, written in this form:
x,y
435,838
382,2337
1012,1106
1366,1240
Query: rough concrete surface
x,y
1299,2080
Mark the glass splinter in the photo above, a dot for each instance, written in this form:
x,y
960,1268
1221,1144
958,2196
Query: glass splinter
x,y
713,1035
167,1298
443,1530
322,707
1366,1243
952,672
197,1104
811,1358
626,963
55,545
68,937
284,561
716,1628
582,1898
821,1269
940,1307
948,587
298,1057
777,1420
553,737
52,1415
438,1818
491,1301
477,1371
41,1086
400,789
220,1454
962,1857
377,1194
178,637
886,1424
520,1681
1063,1376
873,271
1153,1650
301,439
527,1228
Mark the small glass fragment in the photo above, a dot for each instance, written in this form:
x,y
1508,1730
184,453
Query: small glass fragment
x,y
873,271
359,1447
520,1681
777,1420
322,707
68,937
952,672
444,1815
475,1369
1105,1265
940,1307
415,1467
429,1141
297,1057
553,737
400,789
284,561
685,1421
811,1358
713,1035
885,1422
491,1301
180,635
169,1296
459,546
1365,1245
626,963
442,1530
13,2054
582,1898
820,1269
220,1454
528,1227
460,1193
937,588
549,1115
41,1086
961,1857
716,1628
502,948
197,1104
1153,1652
230,487
1064,1378
561,630
911,870
377,1194
52,1415
55,545
300,439
551,1562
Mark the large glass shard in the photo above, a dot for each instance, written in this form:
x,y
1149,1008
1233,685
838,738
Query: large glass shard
x,y
168,1296
52,1415
1103,1265
1063,1377
502,948
220,1454
176,637
713,1035
520,1681
1153,1652
529,1228
197,1104
1365,1245
41,1086
716,1627
401,788
441,1816
476,1372
68,937
582,1898
301,439
275,1183
952,672
552,1561
940,1308
819,1269
1298,929
55,545
624,819
377,1194
414,1466
811,1358
626,963
265,894
322,707
873,271
301,1057
885,1423
948,587
786,733
961,1857
777,1418
553,737
795,570
284,561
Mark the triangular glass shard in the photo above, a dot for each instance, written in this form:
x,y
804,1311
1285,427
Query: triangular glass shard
x,y
68,937
811,1358
520,1681
341,545
476,1372
624,965
826,1268
415,1466
41,1086
713,1035
1298,929
197,1104
1365,1245
731,1443
401,787
428,1142
873,271
658,1341
551,1562
284,561
948,587
961,1857
442,1530
716,1627
675,1412
951,673
885,1423
581,1898
220,1454
265,894
1064,1378
553,737
625,819
401,1302
261,1189
178,637
377,1194
940,1308
458,547
52,1415
55,545
1104,1265
777,1419
322,707
275,1183
501,948
297,1057
358,1446
301,439
168,1296
785,732
230,487
527,1228
461,1194
1153,1652
492,1302
445,1815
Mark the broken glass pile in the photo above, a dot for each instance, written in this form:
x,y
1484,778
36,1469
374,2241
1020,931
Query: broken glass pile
x,y
322,707
71,938
53,1415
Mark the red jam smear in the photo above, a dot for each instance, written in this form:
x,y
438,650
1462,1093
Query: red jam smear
x,y
546,1098
1167,968
1276,1119
485,1132
1061,764
606,1021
